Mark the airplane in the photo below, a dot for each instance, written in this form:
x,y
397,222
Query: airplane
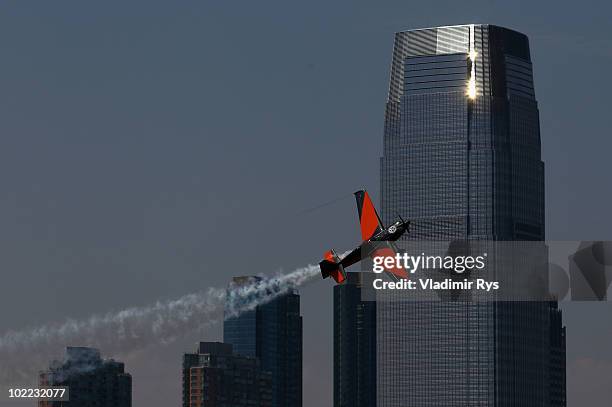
x,y
372,232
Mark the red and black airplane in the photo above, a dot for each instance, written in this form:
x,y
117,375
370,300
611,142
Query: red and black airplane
x,y
373,233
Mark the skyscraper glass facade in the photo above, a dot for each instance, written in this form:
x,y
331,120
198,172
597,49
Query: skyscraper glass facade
x,y
272,332
354,344
462,160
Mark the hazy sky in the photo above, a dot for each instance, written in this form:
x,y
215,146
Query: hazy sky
x,y
150,149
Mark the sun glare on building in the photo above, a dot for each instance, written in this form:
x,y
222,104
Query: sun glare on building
x,y
471,88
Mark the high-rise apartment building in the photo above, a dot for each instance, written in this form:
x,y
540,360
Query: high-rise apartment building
x,y
215,377
91,380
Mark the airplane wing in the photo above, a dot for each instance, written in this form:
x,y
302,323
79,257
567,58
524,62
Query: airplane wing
x,y
368,218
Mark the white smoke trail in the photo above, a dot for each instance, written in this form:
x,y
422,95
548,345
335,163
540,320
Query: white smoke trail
x,y
24,353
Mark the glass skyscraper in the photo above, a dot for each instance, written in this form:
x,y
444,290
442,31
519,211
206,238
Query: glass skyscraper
x,y
354,344
461,159
272,332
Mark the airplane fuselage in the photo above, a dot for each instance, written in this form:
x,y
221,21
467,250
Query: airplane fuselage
x,y
367,248
391,233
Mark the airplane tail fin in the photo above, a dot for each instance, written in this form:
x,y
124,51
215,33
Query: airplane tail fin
x,y
331,267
